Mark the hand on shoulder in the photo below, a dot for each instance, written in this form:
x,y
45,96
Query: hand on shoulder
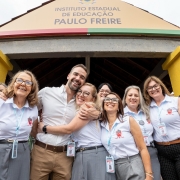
x,y
3,96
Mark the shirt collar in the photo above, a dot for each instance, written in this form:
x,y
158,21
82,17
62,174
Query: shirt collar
x,y
63,90
166,99
105,125
128,111
10,101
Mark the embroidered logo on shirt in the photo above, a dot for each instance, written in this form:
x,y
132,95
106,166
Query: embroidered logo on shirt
x,y
119,134
30,121
169,111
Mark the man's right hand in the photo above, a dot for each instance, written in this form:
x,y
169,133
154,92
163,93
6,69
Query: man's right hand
x,y
2,96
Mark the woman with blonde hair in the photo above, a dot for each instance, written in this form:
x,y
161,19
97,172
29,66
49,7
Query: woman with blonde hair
x,y
135,106
165,118
17,115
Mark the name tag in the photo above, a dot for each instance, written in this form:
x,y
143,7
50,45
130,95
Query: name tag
x,y
71,149
110,164
146,139
14,149
162,129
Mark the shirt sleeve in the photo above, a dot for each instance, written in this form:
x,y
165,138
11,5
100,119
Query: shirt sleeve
x,y
40,98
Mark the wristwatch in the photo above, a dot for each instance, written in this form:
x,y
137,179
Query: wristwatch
x,y
44,129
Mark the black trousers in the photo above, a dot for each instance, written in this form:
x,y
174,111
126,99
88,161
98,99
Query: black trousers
x,y
169,158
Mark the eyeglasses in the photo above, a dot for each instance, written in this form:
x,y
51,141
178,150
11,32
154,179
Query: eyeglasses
x,y
20,81
104,91
150,88
84,93
113,100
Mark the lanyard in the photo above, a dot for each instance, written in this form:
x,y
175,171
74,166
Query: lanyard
x,y
110,137
111,133
18,120
159,113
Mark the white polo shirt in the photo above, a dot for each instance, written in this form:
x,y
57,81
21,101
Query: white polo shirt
x,y
167,113
89,135
119,141
55,111
11,114
140,117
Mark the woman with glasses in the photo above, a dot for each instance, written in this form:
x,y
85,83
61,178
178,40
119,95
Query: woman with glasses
x,y
122,137
103,90
165,118
90,155
135,107
17,115
2,87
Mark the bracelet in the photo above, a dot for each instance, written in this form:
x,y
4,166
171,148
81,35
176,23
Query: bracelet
x,y
150,174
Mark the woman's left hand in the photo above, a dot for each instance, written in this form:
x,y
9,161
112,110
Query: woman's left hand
x,y
40,126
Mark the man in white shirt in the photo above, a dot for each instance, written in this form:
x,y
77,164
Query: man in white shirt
x,y
58,108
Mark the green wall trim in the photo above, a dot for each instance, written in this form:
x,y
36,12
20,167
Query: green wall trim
x,y
125,31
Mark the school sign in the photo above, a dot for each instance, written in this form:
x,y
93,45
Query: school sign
x,y
87,17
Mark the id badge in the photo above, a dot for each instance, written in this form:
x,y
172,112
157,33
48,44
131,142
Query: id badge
x,y
14,149
146,139
71,149
110,164
162,129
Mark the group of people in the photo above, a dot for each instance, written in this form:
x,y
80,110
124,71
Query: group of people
x,y
85,133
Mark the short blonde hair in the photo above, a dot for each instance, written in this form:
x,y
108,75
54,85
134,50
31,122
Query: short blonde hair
x,y
32,97
147,97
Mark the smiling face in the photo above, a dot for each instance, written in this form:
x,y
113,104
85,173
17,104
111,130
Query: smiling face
x,y
132,99
22,90
84,94
103,92
154,90
111,107
76,78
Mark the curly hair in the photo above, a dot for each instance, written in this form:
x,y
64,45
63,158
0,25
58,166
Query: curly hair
x,y
32,97
146,95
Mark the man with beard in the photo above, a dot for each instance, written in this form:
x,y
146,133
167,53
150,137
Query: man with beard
x,y
58,108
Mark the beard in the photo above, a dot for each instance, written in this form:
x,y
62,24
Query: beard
x,y
73,88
